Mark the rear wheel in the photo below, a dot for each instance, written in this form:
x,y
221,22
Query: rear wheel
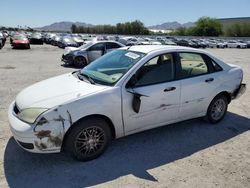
x,y
88,139
217,109
80,62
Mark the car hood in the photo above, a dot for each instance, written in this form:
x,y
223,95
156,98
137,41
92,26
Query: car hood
x,y
55,91
67,50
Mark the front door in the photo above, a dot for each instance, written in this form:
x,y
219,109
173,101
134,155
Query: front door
x,y
96,51
160,103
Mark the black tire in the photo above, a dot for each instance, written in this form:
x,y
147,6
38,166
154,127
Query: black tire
x,y
217,109
80,62
88,139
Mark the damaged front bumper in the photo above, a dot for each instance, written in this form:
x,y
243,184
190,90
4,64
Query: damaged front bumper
x,y
68,59
44,136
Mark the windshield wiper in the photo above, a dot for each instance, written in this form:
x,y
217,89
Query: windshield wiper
x,y
81,75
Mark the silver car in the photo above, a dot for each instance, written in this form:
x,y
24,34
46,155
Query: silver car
x,y
89,52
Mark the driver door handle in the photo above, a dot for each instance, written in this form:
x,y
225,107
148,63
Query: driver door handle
x,y
169,89
209,80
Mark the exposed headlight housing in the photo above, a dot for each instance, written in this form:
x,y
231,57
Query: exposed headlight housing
x,y
30,115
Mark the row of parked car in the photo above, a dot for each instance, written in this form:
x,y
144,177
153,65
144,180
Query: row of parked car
x,y
63,40
3,36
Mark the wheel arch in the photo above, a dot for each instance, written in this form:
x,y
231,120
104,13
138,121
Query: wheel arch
x,y
83,56
105,118
226,94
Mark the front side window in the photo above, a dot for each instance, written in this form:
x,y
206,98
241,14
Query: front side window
x,y
97,47
192,64
157,70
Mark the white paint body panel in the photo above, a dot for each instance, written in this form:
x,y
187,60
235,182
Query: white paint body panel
x,y
68,97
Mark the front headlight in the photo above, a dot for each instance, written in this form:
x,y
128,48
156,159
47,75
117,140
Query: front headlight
x,y
30,115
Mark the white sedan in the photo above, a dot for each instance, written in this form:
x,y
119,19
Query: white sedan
x,y
236,44
126,91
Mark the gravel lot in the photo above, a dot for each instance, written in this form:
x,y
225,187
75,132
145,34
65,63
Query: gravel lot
x,y
187,154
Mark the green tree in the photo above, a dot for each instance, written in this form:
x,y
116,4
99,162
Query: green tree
x,y
74,28
206,26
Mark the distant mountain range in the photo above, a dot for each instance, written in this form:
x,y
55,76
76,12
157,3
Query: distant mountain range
x,y
66,26
171,25
62,26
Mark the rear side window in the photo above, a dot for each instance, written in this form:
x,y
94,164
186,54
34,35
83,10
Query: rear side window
x,y
215,66
112,45
192,64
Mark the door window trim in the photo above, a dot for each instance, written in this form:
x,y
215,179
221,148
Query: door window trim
x,y
179,68
174,54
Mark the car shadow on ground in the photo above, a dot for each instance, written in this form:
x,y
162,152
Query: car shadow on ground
x,y
65,65
134,155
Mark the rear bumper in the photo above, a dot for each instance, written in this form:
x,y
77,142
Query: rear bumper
x,y
20,45
239,91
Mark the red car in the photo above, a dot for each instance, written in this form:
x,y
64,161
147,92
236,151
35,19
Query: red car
x,y
20,41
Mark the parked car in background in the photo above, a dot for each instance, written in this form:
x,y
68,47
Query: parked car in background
x,y
36,38
212,44
248,44
166,42
198,43
89,52
182,42
66,41
152,41
78,40
20,42
128,41
48,37
139,88
236,44
1,43
2,40
54,40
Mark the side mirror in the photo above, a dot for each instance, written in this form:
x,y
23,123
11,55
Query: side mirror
x,y
136,102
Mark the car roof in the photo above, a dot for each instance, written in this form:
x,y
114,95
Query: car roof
x,y
152,48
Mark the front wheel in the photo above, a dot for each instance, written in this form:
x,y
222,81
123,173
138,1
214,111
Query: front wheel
x,y
80,62
88,139
217,109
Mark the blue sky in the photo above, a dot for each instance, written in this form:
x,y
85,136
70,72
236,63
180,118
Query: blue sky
x,y
150,12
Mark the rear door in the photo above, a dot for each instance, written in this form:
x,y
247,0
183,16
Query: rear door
x,y
199,78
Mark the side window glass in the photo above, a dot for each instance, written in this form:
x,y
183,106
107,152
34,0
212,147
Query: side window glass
x,y
192,65
111,45
97,47
216,66
157,70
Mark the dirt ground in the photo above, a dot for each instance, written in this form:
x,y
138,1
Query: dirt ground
x,y
187,154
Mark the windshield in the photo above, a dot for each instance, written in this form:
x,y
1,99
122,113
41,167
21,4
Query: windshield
x,y
108,69
85,46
